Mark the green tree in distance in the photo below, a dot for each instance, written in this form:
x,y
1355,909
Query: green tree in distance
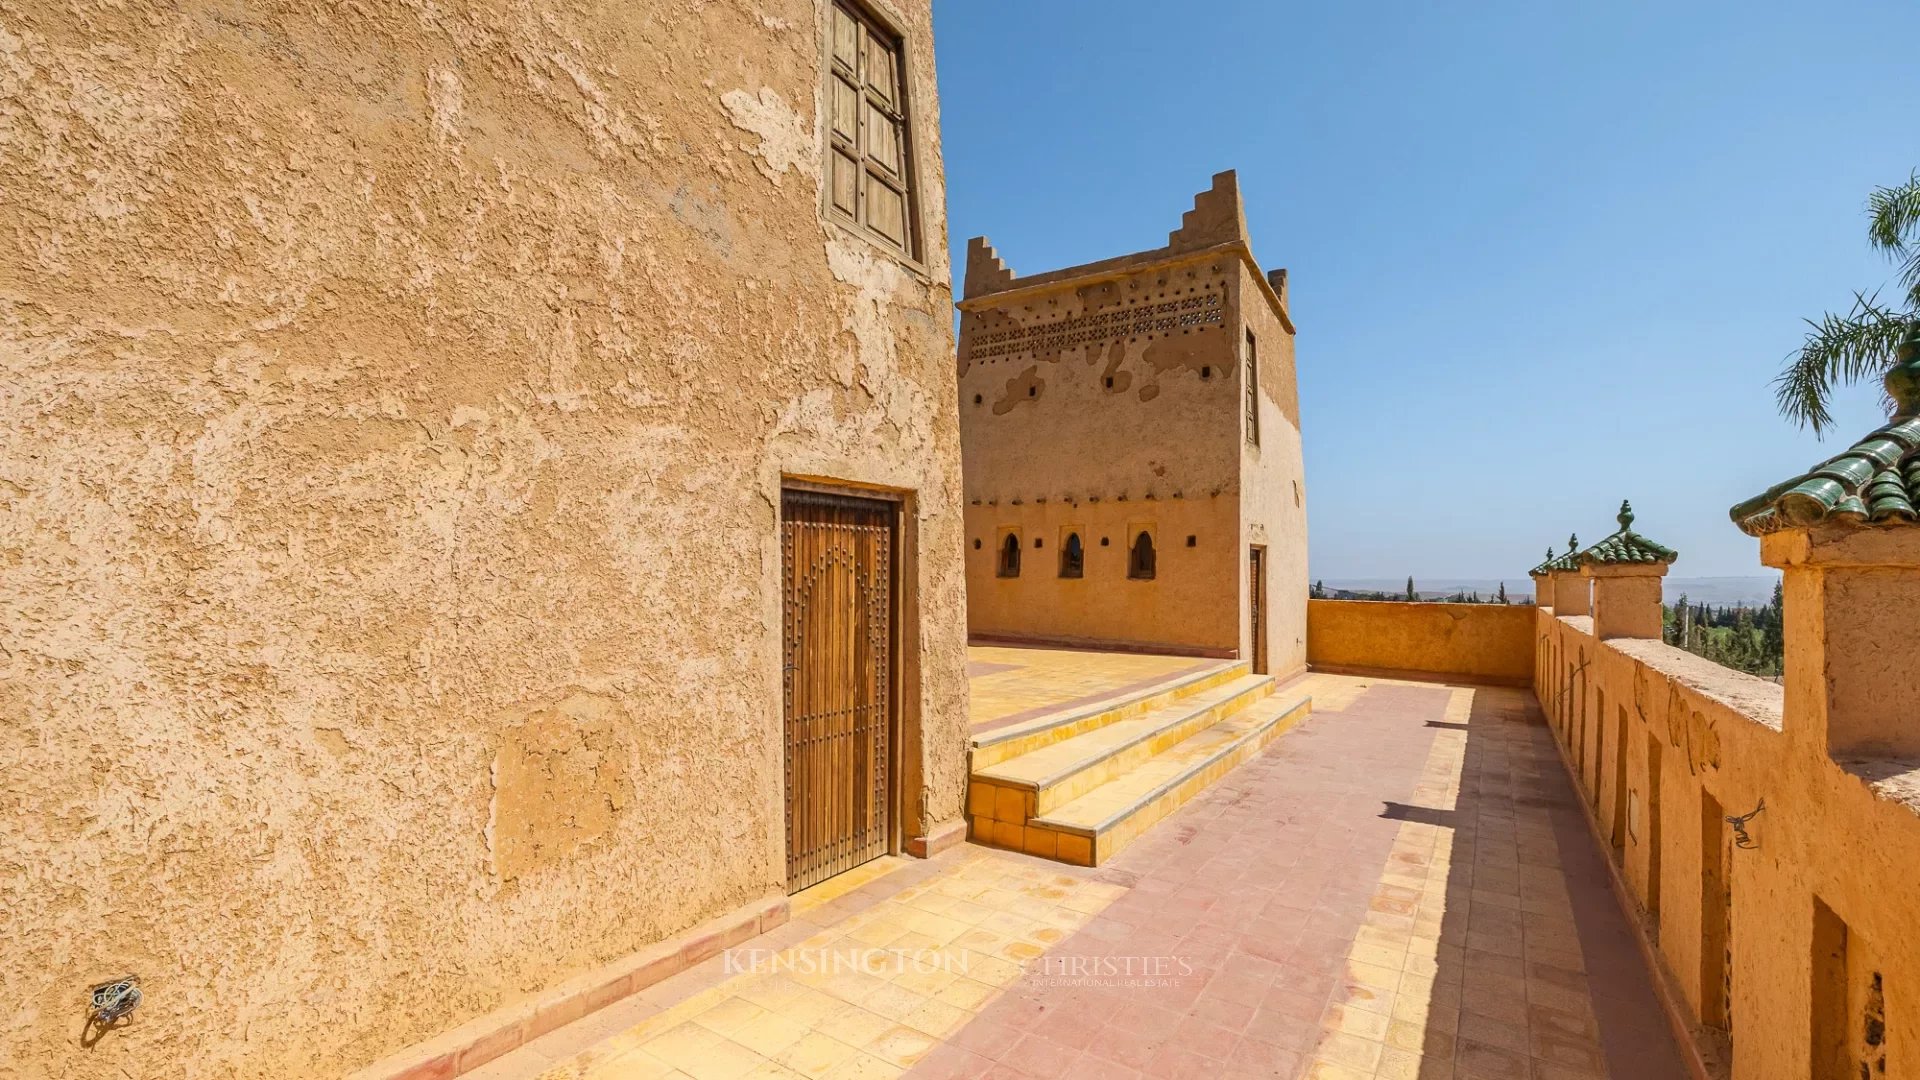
x,y
1773,636
1676,622
1411,595
1841,350
1743,638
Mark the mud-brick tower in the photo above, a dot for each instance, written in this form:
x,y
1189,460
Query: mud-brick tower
x,y
1130,435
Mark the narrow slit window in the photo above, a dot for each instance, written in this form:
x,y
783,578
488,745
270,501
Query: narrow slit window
x,y
1253,391
1010,556
1073,562
1140,559
868,154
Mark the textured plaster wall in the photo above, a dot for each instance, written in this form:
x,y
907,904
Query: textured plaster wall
x,y
395,403
1489,642
1273,495
1047,442
1853,592
1189,603
1847,836
1048,425
1626,602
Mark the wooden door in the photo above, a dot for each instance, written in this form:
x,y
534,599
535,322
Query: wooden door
x,y
1257,605
837,576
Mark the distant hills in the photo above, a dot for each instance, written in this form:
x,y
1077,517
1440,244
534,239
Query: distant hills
x,y
1753,590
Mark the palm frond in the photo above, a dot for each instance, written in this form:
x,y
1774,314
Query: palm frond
x,y
1893,227
1840,350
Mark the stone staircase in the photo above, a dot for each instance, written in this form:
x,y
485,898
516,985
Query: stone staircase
x,y
1079,785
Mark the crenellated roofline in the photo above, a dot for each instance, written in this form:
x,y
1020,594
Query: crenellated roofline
x,y
1216,226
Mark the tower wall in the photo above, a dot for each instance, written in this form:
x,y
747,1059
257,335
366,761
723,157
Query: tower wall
x,y
1110,399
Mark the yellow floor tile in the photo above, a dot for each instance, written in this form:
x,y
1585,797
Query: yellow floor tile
x,y
902,1046
1024,679
966,993
730,1015
632,1065
865,1067
815,1055
770,1035
854,1026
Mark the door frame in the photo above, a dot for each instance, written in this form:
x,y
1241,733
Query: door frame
x,y
901,503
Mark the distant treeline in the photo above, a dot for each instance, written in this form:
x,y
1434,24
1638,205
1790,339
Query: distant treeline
x,y
1319,591
1746,639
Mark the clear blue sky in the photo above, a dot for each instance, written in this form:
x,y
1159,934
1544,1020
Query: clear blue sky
x,y
1544,256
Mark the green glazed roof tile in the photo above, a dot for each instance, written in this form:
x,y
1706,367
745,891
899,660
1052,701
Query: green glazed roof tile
x,y
1885,451
1853,471
1545,567
1559,563
1625,547
1875,482
1888,498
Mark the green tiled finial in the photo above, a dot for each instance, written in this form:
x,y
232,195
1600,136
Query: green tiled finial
x,y
1903,382
1549,552
1626,515
1573,543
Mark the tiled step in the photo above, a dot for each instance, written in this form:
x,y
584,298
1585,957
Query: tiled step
x,y
1003,744
1091,829
1051,776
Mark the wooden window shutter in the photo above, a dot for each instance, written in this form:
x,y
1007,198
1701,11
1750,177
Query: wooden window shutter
x,y
868,160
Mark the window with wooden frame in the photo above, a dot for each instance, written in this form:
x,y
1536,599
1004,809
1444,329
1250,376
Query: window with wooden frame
x,y
1253,392
869,178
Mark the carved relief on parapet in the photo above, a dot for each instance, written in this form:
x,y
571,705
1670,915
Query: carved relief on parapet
x,y
1642,694
1689,729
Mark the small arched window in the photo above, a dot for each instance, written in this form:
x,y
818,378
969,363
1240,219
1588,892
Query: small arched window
x,y
1073,562
1010,556
1140,560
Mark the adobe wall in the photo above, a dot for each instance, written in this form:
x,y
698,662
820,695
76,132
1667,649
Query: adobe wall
x,y
396,405
1706,743
1190,603
1490,643
1273,496
1106,402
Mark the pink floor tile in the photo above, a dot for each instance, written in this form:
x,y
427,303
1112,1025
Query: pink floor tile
x,y
1262,885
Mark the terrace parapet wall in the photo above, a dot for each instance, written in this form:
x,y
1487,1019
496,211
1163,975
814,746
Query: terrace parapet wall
x,y
1763,834
1477,643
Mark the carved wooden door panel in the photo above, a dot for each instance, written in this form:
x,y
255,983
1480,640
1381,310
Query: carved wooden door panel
x,y
837,576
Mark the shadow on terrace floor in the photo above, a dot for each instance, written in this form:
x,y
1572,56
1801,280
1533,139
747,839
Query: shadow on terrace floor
x,y
1535,973
1400,889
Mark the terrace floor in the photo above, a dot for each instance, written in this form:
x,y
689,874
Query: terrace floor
x,y
1403,887
1014,683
